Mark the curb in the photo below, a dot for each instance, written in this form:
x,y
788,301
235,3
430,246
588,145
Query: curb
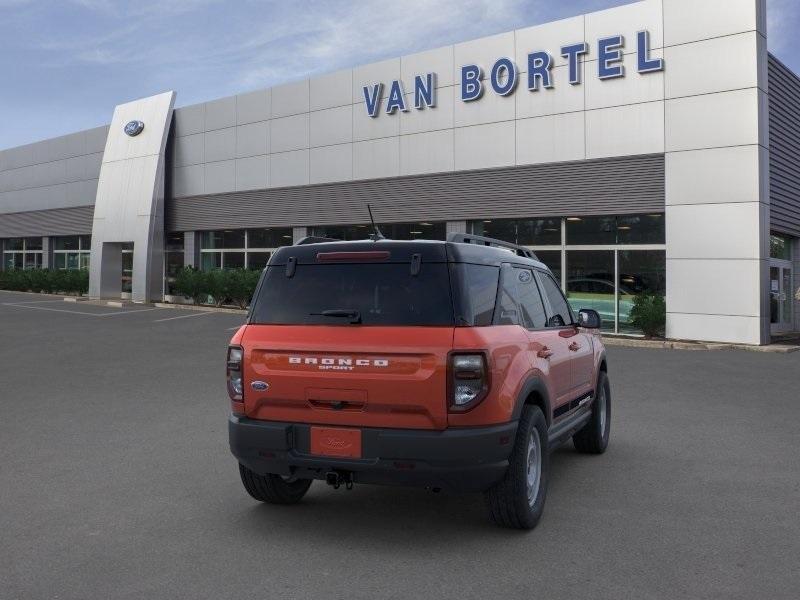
x,y
43,295
697,346
233,311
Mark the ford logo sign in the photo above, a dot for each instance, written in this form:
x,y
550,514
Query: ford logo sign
x,y
134,128
260,386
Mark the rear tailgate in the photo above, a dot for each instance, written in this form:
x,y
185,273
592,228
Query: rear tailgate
x,y
361,376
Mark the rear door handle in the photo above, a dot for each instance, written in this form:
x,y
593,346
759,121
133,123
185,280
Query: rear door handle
x,y
574,347
544,353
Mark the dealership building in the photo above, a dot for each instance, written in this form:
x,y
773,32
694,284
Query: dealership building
x,y
653,147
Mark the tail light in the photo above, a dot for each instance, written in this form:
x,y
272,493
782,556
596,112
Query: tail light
x,y
468,380
234,373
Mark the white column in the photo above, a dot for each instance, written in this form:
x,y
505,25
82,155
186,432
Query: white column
x,y
130,200
456,227
717,170
298,233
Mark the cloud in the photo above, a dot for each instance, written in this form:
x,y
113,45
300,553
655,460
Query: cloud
x,y
782,21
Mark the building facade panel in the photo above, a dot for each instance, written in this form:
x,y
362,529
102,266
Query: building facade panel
x,y
630,185
784,143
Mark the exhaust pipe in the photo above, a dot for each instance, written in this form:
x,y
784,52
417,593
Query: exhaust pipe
x,y
337,478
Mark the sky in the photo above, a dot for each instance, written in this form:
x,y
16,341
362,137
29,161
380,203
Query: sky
x,y
65,64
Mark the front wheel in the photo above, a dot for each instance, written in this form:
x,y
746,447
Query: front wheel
x,y
273,489
593,437
518,500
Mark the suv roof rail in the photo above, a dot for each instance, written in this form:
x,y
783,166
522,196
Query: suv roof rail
x,y
468,238
312,239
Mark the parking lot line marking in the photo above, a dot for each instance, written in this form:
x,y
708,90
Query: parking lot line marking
x,y
61,310
37,302
78,312
198,314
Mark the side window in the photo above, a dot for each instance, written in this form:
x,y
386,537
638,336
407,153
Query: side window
x,y
561,314
530,300
507,307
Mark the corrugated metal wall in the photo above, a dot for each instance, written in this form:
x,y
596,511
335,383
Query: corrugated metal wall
x,y
784,147
633,184
57,221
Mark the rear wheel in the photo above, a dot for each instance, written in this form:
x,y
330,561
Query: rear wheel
x,y
593,438
273,489
518,500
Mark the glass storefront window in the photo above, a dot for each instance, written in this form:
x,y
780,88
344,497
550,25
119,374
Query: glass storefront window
x,y
210,261
624,229
640,272
426,230
22,253
14,244
72,252
33,243
641,229
780,247
233,260
552,258
257,260
269,238
591,231
590,283
525,232
71,242
222,240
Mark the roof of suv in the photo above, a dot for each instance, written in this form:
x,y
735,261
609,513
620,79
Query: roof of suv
x,y
402,251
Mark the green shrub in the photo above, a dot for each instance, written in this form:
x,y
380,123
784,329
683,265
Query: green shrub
x,y
51,281
191,283
649,313
234,286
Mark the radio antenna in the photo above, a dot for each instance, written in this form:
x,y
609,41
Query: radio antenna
x,y
376,235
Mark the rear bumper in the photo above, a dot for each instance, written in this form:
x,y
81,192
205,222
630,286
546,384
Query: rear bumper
x,y
470,459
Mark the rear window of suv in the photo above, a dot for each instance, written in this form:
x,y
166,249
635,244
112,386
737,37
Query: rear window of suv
x,y
382,294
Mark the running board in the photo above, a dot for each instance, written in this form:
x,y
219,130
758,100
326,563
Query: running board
x,y
560,432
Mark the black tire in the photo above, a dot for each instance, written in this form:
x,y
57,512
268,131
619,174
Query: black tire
x,y
508,501
273,489
593,438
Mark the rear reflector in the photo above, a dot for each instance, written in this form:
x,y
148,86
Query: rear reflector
x,y
353,256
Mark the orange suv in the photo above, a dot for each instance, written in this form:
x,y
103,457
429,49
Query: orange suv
x,y
455,365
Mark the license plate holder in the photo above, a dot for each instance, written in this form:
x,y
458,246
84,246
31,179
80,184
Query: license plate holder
x,y
336,442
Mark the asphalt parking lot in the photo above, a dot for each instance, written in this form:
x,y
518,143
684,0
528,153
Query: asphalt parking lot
x,y
116,482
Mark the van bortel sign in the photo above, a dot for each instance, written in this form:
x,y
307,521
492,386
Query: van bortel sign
x,y
504,74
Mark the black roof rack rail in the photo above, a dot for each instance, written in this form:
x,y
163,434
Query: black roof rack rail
x,y
311,239
468,238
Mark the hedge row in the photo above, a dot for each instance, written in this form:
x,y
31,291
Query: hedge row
x,y
217,287
50,281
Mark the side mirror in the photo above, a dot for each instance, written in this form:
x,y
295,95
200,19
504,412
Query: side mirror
x,y
590,319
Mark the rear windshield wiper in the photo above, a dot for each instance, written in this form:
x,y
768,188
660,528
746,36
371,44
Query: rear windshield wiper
x,y
344,313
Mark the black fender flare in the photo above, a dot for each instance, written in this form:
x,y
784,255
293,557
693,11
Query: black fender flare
x,y
533,384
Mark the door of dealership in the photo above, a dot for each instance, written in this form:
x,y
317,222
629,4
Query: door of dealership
x,y
780,296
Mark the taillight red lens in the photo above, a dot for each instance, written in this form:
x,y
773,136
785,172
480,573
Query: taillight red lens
x,y
234,373
468,380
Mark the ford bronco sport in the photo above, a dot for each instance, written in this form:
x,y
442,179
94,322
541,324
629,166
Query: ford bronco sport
x,y
455,365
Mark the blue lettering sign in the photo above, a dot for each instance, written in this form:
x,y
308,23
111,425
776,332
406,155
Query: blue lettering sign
x,y
539,65
609,51
504,75
504,69
647,64
573,55
397,100
471,85
371,96
425,91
